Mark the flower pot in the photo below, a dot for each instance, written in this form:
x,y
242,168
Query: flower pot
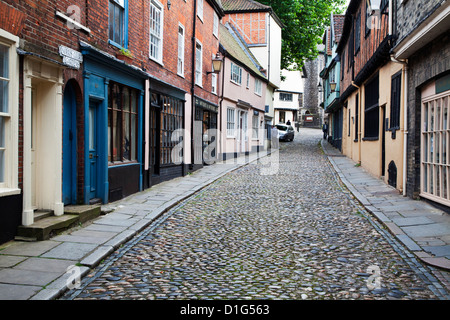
x,y
125,58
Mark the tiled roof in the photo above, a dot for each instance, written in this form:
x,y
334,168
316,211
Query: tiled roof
x,y
235,47
338,26
243,5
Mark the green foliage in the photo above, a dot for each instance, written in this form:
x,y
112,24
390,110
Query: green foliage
x,y
305,22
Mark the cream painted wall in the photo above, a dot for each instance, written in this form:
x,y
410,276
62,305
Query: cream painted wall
x,y
371,151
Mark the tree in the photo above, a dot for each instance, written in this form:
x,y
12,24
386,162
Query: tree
x,y
305,22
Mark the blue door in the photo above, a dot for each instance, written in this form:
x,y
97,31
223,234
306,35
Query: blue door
x,y
69,146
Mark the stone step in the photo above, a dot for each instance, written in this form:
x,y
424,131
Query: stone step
x,y
85,212
47,226
41,214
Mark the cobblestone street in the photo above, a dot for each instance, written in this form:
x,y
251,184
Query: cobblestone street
x,y
297,234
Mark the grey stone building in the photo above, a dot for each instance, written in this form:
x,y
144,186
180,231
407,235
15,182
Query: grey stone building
x,y
312,112
423,44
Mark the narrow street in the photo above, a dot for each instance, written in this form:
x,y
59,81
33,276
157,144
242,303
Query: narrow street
x,y
295,235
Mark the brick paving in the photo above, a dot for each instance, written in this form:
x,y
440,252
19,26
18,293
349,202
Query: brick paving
x,y
298,234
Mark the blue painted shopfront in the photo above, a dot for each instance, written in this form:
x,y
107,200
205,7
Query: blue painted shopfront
x,y
105,179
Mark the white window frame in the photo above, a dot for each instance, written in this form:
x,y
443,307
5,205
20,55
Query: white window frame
x,y
435,158
200,9
258,87
216,25
231,123
236,74
198,64
255,127
181,53
9,185
158,57
248,80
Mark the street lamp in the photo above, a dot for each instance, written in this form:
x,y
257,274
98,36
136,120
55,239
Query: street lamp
x,y
333,86
217,64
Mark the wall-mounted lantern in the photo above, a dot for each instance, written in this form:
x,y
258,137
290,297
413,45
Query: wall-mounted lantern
x,y
374,5
333,86
217,64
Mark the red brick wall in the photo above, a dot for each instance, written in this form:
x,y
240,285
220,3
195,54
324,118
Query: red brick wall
x,y
42,32
369,45
252,25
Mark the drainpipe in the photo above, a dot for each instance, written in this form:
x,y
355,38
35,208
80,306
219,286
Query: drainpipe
x,y
359,120
404,62
193,84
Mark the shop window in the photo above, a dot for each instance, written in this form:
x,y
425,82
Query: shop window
x,y
122,123
435,135
171,120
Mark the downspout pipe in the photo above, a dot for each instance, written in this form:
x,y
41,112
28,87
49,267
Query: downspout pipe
x,y
359,120
405,117
193,84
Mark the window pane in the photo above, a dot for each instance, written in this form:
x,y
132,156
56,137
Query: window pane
x,y
91,128
2,165
133,137
126,136
4,96
4,61
117,25
155,32
116,136
133,101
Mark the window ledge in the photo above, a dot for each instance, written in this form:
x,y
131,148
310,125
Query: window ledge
x,y
157,61
4,192
370,139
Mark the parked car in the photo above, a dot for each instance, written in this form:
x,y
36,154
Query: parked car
x,y
285,132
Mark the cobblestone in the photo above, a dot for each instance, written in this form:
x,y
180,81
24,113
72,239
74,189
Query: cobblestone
x,y
298,234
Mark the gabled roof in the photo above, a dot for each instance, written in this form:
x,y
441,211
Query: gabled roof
x,y
244,5
338,23
237,50
217,6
